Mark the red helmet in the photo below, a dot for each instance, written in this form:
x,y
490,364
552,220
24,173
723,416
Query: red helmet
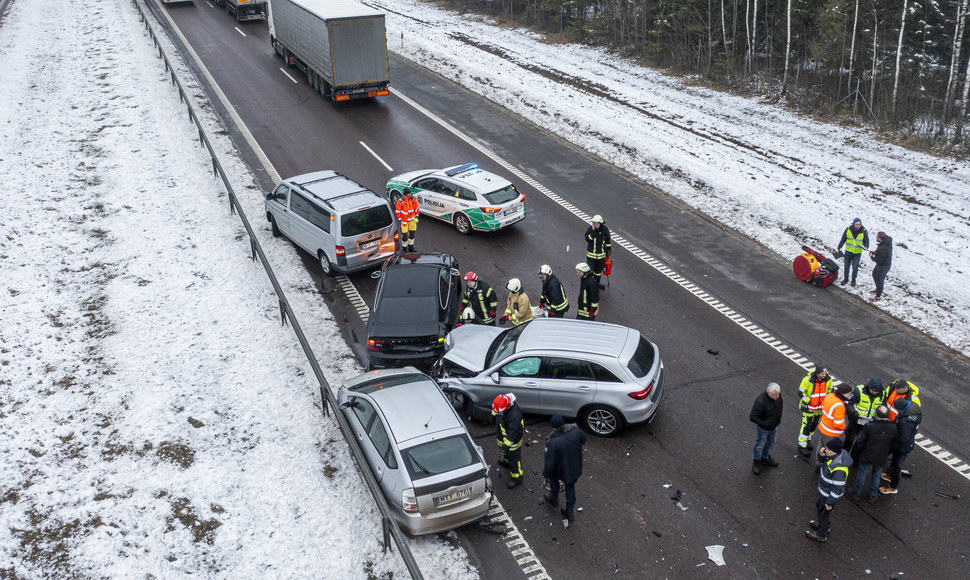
x,y
501,404
471,277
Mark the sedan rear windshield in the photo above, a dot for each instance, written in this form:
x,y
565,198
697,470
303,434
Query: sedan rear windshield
x,y
365,220
642,360
503,195
441,456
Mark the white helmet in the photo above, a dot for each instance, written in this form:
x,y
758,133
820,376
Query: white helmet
x,y
467,314
514,285
545,269
597,219
583,267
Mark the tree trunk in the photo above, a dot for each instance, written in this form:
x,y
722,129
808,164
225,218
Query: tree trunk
x,y
899,57
963,102
784,77
855,24
723,27
754,30
875,57
951,85
747,37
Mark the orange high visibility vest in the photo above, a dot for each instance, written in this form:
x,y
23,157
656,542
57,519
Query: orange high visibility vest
x,y
402,210
912,394
832,423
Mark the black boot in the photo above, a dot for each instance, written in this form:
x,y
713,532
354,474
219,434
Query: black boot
x,y
756,467
513,482
567,513
769,462
552,500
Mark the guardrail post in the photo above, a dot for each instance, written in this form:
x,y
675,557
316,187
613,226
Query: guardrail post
x,y
387,533
252,247
282,312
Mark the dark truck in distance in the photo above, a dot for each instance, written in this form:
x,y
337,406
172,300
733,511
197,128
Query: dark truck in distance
x,y
339,44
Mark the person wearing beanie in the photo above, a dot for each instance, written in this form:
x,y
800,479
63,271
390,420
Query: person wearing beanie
x,y
855,238
563,463
861,407
871,451
812,391
831,487
907,425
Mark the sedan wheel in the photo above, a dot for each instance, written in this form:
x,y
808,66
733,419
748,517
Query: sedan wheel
x,y
463,224
602,421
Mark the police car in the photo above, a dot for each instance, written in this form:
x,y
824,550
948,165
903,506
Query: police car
x,y
464,195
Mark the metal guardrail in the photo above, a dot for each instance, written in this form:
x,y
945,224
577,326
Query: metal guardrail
x,y
327,398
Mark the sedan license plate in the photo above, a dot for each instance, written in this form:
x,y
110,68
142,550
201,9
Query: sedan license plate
x,y
369,245
453,496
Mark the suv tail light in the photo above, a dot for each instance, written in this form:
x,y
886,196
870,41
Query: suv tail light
x,y
408,501
376,343
641,395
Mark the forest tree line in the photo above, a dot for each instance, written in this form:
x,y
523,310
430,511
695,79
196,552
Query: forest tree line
x,y
900,64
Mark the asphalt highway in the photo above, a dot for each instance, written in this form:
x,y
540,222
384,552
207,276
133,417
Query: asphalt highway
x,y
700,442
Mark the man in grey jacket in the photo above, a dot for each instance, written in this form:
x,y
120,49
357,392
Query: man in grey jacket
x,y
831,487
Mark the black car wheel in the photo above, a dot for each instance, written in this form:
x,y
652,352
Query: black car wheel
x,y
602,421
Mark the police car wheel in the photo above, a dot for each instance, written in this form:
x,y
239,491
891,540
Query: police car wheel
x,y
463,224
395,196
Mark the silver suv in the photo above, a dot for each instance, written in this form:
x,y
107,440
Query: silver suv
x,y
606,375
433,475
345,225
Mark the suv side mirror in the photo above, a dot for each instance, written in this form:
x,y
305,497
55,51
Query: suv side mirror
x,y
494,377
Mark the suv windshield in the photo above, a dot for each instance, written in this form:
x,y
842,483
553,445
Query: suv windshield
x,y
504,345
503,195
439,456
365,220
642,360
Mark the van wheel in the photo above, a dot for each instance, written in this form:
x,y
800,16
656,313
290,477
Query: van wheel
x,y
274,227
463,224
602,421
325,265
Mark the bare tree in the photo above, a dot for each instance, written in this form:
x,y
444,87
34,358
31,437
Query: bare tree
x,y
754,29
963,102
855,24
951,85
899,56
784,77
723,27
875,55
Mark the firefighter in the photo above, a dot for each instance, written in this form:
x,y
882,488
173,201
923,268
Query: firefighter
x,y
598,248
553,295
406,209
588,305
901,389
510,431
518,310
812,390
480,297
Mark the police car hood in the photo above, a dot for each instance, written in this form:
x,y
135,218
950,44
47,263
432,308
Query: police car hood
x,y
468,345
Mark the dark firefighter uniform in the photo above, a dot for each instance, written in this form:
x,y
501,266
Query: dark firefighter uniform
x,y
482,300
588,305
553,297
510,432
598,247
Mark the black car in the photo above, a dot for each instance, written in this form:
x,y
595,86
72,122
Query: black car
x,y
417,303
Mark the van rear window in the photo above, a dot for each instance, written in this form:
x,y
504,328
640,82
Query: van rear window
x,y
365,220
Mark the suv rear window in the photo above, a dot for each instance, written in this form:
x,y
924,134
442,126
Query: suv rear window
x,y
503,195
439,456
365,220
642,360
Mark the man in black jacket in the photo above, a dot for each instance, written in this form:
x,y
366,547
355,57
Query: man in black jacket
x,y
563,463
766,415
907,425
510,431
871,450
883,257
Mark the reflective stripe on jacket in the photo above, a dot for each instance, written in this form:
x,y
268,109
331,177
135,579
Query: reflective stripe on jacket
x,y
588,304
598,243
865,404
832,423
832,476
854,244
554,295
911,395
518,308
482,300
813,392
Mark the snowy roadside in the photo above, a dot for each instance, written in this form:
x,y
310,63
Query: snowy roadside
x,y
155,418
783,180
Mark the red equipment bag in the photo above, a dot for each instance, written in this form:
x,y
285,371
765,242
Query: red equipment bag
x,y
608,266
813,267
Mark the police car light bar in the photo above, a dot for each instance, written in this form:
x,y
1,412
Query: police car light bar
x,y
461,169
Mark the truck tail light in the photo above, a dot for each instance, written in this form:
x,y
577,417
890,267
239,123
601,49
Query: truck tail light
x,y
641,395
408,501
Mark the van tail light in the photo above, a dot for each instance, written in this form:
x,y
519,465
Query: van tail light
x,y
376,343
491,209
408,501
641,395
341,251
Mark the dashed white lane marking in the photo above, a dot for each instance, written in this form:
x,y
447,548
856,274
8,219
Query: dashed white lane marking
x,y
518,547
239,31
751,327
350,291
376,156
283,70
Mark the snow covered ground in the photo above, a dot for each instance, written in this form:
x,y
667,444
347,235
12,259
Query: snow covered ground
x,y
783,180
155,418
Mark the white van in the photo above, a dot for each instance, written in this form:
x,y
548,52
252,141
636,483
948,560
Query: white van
x,y
345,225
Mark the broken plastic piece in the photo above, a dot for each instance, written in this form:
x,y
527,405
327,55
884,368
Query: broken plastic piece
x,y
716,554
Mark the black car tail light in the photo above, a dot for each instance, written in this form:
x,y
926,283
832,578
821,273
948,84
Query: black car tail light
x,y
376,343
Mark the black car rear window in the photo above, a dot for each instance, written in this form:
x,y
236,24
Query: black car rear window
x,y
642,360
411,280
440,456
503,195
365,220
